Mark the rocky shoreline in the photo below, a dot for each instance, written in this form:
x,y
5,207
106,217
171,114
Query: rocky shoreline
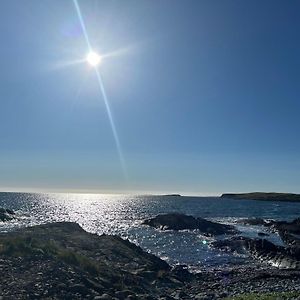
x,y
62,261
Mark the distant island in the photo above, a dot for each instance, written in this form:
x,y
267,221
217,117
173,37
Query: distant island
x,y
288,197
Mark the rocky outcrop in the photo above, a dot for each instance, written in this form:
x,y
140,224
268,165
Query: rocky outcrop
x,y
289,232
277,256
252,221
6,214
289,239
236,244
175,221
262,250
62,261
290,227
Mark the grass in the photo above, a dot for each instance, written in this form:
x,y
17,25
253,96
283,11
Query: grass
x,y
266,296
28,246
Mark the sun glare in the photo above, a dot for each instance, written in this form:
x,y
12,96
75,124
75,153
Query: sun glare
x,y
93,59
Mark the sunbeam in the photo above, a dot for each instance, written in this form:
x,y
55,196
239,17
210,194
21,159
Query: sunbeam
x,y
94,59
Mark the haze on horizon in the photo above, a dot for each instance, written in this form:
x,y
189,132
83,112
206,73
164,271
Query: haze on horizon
x,y
204,96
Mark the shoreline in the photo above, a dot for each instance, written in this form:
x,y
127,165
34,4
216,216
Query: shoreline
x,y
62,261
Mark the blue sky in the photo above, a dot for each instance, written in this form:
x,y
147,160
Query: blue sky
x,y
204,96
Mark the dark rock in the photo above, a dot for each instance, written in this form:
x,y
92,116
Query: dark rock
x,y
10,211
236,244
175,221
6,214
182,273
275,255
290,227
253,221
75,264
289,239
262,234
262,250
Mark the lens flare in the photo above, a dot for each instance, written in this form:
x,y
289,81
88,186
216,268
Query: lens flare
x,y
93,58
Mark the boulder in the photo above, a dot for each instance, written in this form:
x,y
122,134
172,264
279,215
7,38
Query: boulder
x,y
6,214
176,221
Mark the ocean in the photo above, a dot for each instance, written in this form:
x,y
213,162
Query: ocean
x,y
122,215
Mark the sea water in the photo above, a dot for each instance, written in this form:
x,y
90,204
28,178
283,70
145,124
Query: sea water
x,y
122,215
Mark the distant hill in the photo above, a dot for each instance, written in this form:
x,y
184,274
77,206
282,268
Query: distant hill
x,y
288,197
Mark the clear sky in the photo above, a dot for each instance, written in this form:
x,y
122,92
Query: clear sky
x,y
204,96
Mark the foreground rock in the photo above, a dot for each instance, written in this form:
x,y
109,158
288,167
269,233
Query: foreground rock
x,y
176,221
62,261
6,214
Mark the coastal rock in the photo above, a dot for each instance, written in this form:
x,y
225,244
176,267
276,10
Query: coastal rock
x,y
6,214
236,244
252,221
275,255
181,272
175,221
290,227
262,250
64,260
288,231
289,239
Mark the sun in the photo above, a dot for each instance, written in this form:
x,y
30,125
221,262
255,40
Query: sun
x,y
93,58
